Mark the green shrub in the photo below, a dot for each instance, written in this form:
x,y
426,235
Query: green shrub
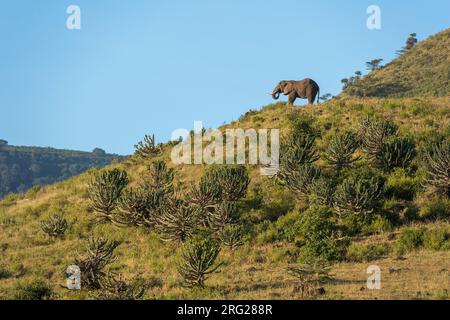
x,y
436,163
301,179
177,222
297,155
4,273
311,277
319,233
11,199
378,224
321,191
284,229
105,190
55,226
366,253
225,183
401,185
358,198
411,213
117,288
33,191
223,214
139,206
231,236
147,148
435,209
277,204
341,148
34,290
99,254
374,133
198,261
397,152
410,239
301,123
437,239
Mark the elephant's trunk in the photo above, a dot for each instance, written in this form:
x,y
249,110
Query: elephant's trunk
x,y
276,93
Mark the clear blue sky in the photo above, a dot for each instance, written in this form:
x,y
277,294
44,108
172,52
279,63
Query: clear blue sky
x,y
141,66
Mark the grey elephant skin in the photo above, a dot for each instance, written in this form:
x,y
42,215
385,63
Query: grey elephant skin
x,y
303,89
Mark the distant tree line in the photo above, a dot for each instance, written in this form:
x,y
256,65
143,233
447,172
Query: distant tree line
x,y
24,167
376,64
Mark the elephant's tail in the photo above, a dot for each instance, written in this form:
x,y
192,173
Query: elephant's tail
x,y
318,96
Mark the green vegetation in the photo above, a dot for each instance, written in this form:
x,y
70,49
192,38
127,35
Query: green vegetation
x,y
339,153
231,236
437,163
358,198
24,167
437,238
406,75
320,236
99,254
55,226
105,190
116,288
35,290
198,261
360,180
314,211
367,253
147,148
311,277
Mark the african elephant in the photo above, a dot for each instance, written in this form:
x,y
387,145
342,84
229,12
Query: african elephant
x,y
304,89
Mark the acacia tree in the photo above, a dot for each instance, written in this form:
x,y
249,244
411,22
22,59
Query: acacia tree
x,y
326,97
410,43
374,64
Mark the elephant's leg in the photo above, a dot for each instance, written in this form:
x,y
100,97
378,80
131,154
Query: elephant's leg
x,y
292,98
311,95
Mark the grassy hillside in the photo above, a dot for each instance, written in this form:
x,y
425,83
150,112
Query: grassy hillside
x,y
422,71
24,167
410,240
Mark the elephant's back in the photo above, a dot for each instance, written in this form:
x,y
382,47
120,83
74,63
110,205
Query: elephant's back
x,y
310,82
